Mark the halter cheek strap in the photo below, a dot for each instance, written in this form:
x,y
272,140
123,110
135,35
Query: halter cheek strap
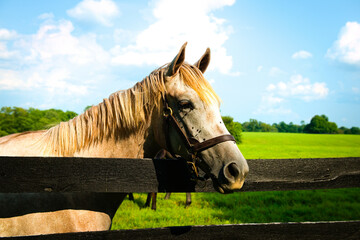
x,y
192,145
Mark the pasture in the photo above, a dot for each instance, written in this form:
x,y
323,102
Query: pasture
x,y
299,145
244,207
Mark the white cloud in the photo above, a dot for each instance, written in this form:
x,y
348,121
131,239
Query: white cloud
x,y
54,41
275,71
271,104
103,11
299,87
45,16
271,87
259,68
54,60
6,34
347,48
278,95
273,100
177,22
123,36
9,79
4,52
55,81
301,55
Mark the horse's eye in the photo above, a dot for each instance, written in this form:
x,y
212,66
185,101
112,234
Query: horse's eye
x,y
185,104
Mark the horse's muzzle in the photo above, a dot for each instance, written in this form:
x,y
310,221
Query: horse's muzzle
x,y
231,178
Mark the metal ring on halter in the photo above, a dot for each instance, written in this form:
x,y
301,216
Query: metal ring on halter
x,y
167,111
194,171
194,168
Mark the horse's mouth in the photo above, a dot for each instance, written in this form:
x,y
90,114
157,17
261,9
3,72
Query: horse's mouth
x,y
223,185
224,190
221,188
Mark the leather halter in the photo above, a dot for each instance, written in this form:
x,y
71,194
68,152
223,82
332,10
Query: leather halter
x,y
192,145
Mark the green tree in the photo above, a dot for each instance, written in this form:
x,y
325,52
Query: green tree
x,y
15,119
291,127
282,127
252,126
234,128
321,124
265,127
332,127
302,126
355,130
343,130
87,107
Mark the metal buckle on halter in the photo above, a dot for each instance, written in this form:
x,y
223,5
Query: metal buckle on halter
x,y
193,168
199,180
167,112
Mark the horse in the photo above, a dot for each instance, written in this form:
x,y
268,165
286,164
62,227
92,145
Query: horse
x,y
173,108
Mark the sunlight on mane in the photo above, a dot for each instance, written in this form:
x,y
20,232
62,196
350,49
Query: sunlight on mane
x,y
123,113
193,77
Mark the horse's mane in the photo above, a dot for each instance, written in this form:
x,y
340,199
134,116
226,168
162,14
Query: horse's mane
x,y
121,114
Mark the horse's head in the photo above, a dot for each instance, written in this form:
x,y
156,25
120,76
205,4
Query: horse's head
x,y
193,126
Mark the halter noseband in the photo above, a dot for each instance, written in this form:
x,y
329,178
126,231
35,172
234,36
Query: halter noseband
x,y
192,145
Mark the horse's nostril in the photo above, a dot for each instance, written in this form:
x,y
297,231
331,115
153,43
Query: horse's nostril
x,y
231,172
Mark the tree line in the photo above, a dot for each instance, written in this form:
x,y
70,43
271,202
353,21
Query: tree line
x,y
16,119
318,124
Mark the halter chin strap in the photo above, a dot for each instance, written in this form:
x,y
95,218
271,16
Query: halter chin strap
x,y
192,145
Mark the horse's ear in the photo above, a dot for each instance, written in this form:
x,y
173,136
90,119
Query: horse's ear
x,y
204,61
177,62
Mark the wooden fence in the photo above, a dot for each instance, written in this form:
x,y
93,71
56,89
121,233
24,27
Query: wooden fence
x,y
38,174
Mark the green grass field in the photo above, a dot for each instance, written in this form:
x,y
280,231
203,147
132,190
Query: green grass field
x,y
296,145
245,207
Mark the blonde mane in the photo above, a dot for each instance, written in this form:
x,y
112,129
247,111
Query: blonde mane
x,y
123,113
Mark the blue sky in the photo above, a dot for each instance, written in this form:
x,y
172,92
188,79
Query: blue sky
x,y
271,60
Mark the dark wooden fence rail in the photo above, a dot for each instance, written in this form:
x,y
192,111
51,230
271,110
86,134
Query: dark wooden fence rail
x,y
261,231
38,174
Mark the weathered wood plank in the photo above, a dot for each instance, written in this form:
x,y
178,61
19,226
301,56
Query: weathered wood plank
x,y
39,174
297,174
271,231
50,174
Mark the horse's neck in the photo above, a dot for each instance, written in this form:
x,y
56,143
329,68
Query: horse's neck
x,y
21,144
125,147
129,147
136,145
